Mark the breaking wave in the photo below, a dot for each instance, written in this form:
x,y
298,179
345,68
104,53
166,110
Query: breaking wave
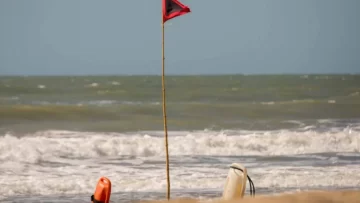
x,y
69,162
47,145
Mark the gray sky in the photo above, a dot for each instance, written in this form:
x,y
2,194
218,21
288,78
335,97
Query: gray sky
x,y
219,36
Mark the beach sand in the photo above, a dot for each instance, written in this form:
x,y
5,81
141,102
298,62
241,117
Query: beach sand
x,y
348,196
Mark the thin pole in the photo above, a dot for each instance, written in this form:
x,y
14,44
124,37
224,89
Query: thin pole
x,y
164,113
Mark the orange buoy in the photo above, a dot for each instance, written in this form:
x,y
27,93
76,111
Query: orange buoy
x,y
102,191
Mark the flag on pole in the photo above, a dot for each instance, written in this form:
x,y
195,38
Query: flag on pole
x,y
172,9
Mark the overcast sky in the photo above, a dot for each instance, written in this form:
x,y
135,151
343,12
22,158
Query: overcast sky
x,y
51,37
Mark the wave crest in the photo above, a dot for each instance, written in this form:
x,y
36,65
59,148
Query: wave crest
x,y
47,145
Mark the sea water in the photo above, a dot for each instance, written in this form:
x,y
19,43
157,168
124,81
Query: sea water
x,y
59,135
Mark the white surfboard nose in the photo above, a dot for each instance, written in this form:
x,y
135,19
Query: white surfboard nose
x,y
235,182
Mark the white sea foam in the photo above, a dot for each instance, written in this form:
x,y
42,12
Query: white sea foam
x,y
98,102
77,179
92,85
39,145
49,144
65,162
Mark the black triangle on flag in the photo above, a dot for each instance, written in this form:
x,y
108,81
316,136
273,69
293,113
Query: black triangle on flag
x,y
173,8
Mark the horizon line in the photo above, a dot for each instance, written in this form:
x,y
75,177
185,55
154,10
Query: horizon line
x,y
172,75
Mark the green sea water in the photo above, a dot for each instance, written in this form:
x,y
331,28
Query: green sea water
x,y
133,103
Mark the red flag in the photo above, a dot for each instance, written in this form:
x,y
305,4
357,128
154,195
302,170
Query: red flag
x,y
172,9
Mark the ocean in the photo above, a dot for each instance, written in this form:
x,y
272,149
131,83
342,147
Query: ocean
x,y
59,135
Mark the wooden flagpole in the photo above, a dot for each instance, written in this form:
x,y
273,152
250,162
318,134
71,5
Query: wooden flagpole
x,y
164,112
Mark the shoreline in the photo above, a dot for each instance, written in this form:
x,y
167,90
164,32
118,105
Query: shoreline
x,y
315,196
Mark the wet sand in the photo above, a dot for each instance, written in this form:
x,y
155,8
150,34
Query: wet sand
x,y
348,196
